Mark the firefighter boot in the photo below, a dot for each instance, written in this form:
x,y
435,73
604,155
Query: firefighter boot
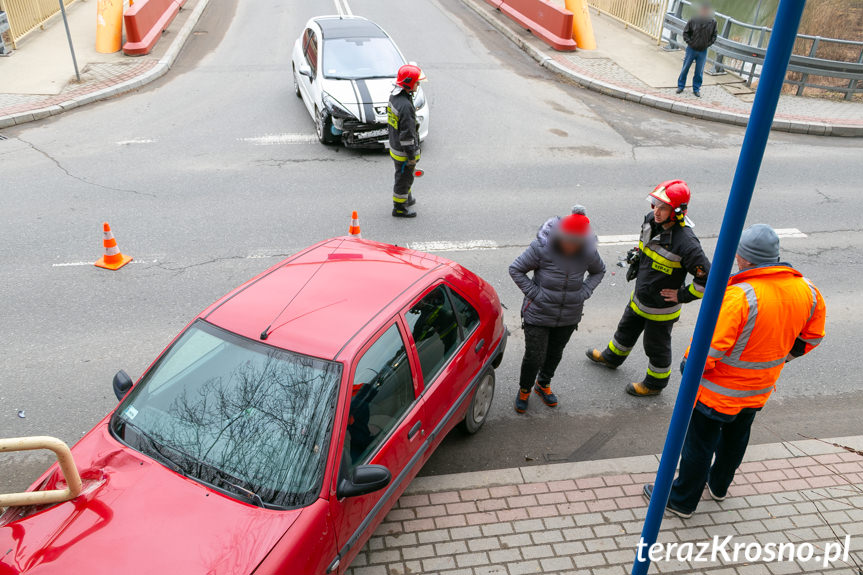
x,y
638,389
544,392
411,199
401,210
521,400
596,356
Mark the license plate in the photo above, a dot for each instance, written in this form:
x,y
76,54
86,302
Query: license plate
x,y
372,134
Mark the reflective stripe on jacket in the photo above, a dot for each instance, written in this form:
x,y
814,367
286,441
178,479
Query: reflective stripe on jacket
x,y
770,314
667,256
402,126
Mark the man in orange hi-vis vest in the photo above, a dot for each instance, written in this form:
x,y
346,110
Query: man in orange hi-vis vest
x,y
770,315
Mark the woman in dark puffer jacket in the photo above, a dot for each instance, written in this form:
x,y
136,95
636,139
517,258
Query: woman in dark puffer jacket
x,y
566,269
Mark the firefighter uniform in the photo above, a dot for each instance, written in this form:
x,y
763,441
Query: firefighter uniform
x,y
667,255
404,145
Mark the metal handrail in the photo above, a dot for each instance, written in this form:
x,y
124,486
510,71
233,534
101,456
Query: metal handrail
x,y
750,57
67,468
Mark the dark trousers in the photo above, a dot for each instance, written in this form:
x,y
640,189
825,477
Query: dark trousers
x,y
700,58
705,437
657,346
403,182
543,350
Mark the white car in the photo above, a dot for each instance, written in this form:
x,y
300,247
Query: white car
x,y
344,69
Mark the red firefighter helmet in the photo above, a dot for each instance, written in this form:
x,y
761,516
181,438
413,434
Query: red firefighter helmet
x,y
675,193
409,77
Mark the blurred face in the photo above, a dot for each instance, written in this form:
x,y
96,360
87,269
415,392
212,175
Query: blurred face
x,y
569,247
662,212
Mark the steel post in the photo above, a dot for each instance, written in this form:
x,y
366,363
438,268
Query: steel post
x,y
69,38
742,187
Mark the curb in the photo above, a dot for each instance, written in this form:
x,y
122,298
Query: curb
x,y
638,464
160,69
673,106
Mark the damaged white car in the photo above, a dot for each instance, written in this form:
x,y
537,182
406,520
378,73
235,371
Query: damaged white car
x,y
344,69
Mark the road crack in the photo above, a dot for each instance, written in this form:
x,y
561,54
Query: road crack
x,y
81,179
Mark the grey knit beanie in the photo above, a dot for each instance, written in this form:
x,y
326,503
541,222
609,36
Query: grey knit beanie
x,y
759,245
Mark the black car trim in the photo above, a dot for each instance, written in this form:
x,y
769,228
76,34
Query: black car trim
x,y
349,544
366,101
358,98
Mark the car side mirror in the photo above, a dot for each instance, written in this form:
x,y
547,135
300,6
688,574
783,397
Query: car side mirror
x,y
122,384
305,70
364,479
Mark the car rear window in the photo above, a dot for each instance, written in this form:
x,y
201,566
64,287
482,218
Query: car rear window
x,y
246,418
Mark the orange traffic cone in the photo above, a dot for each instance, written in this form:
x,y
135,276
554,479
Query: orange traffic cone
x,y
354,230
113,259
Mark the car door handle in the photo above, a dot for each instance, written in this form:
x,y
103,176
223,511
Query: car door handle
x,y
479,345
415,429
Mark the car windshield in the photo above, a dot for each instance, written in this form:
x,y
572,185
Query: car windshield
x,y
357,58
236,414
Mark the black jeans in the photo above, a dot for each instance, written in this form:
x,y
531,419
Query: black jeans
x,y
543,350
404,179
726,436
657,346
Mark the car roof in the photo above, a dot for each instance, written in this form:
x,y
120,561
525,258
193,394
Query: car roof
x,y
350,27
316,301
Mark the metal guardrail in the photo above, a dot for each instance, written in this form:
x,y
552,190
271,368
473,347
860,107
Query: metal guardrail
x,y
67,467
643,15
745,58
25,16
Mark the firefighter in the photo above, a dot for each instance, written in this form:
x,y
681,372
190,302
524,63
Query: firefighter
x,y
770,315
667,251
404,138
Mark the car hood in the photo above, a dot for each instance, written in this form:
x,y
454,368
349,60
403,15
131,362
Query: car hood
x,y
366,99
137,517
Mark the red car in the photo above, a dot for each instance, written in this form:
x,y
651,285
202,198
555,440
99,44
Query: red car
x,y
276,431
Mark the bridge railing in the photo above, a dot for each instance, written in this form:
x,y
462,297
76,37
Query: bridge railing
x,y
740,48
25,16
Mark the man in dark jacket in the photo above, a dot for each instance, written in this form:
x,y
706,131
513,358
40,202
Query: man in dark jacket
x,y
699,35
566,269
668,250
404,138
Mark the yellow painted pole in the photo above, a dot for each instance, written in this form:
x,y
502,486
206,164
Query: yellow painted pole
x,y
582,29
109,26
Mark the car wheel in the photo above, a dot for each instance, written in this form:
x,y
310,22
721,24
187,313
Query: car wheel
x,y
323,127
480,405
296,82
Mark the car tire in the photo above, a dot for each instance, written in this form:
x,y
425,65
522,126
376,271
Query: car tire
x,y
296,82
480,404
323,125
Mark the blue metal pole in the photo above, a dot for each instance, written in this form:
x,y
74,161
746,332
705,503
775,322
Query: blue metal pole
x,y
748,165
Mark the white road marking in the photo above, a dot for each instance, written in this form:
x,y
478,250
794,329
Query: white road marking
x,y
343,8
75,264
443,246
137,141
790,233
280,139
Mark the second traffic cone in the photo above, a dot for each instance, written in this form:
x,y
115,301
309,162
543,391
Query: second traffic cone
x,y
354,230
113,259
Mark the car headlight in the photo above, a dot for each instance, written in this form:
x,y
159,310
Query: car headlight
x,y
336,109
419,98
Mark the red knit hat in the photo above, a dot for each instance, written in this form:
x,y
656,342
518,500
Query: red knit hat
x,y
576,224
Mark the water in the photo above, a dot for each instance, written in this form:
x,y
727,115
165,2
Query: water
x,y
760,13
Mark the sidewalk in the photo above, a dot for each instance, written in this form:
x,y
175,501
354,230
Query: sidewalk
x,y
38,80
630,66
587,517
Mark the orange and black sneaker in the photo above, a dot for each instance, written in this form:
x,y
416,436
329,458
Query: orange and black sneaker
x,y
521,401
544,391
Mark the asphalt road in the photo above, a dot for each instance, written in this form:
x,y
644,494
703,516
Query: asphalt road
x,y
180,172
